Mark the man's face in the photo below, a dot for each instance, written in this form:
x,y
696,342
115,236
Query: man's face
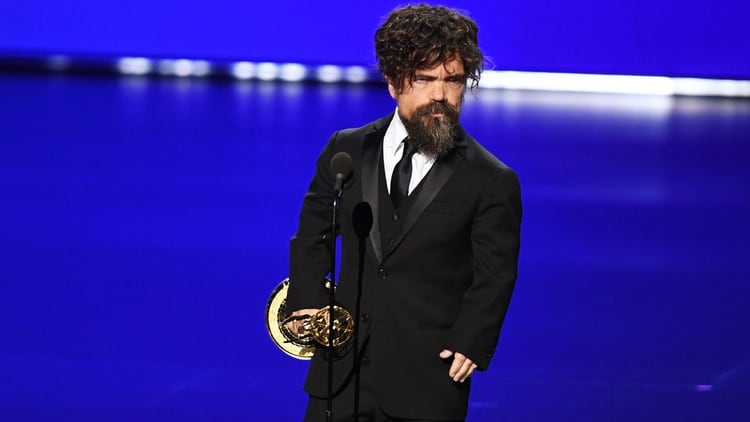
x,y
445,82
430,104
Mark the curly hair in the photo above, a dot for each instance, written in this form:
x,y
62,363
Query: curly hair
x,y
421,37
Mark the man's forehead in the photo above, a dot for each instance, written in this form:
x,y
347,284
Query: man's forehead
x,y
455,66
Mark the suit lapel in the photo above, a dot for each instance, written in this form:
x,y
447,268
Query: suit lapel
x,y
372,149
433,182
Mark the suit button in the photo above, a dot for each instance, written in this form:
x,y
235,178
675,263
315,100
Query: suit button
x,y
395,217
383,275
390,243
365,317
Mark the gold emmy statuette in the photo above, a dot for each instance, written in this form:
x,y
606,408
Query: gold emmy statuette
x,y
302,346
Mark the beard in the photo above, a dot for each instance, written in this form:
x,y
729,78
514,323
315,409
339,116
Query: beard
x,y
433,136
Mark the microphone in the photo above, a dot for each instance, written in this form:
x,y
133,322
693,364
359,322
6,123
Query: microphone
x,y
341,168
362,219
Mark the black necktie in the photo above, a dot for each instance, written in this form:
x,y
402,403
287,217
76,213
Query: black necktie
x,y
402,175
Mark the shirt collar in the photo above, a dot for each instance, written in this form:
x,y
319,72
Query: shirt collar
x,y
394,135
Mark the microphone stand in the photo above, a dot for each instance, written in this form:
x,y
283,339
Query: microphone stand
x,y
331,304
341,168
362,221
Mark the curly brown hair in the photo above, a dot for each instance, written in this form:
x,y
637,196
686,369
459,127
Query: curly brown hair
x,y
423,36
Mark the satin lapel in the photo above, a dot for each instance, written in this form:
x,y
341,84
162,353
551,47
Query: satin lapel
x,y
371,152
433,182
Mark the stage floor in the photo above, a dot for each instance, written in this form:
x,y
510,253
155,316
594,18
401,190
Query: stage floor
x,y
144,222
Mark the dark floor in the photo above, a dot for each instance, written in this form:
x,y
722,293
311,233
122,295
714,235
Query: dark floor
x,y
144,222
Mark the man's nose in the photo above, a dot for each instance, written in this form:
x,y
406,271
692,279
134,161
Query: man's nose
x,y
438,91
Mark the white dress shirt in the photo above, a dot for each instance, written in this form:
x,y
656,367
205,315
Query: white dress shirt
x,y
393,147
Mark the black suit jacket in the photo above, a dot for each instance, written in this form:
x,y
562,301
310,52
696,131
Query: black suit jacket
x,y
445,283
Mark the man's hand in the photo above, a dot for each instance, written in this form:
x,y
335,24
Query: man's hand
x,y
298,326
461,368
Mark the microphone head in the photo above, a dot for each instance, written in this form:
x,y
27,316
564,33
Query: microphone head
x,y
362,219
341,163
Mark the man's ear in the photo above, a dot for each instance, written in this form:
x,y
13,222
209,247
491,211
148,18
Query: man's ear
x,y
392,89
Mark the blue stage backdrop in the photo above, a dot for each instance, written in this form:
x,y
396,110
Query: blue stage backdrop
x,y
668,37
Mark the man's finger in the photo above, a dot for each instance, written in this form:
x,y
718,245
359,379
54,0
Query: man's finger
x,y
458,361
298,326
465,368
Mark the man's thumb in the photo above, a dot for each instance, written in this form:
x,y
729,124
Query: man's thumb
x,y
446,354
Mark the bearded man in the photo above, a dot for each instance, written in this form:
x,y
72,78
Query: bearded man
x,y
440,261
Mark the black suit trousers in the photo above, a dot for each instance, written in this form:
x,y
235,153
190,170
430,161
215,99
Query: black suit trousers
x,y
343,403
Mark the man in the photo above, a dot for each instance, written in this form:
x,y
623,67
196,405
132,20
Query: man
x,y
441,258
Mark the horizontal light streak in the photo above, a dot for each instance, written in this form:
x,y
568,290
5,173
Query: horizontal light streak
x,y
328,73
615,84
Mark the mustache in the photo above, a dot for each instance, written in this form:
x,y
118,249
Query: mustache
x,y
436,107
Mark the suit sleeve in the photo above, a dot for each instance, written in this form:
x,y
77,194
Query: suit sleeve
x,y
495,240
310,248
